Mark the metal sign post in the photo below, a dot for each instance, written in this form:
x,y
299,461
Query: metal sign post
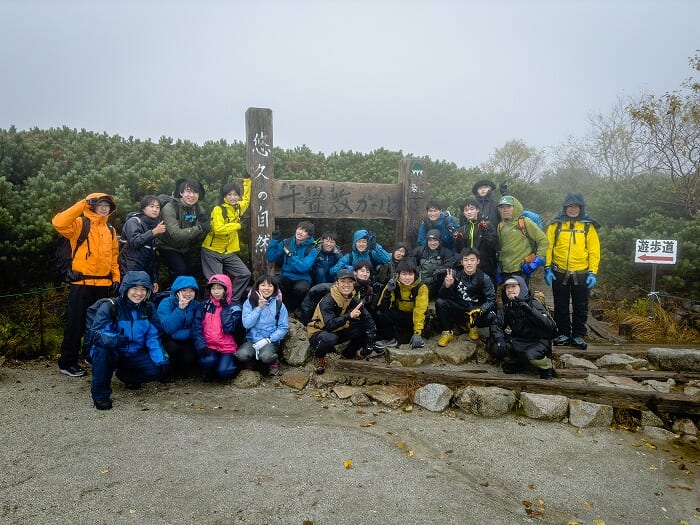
x,y
654,252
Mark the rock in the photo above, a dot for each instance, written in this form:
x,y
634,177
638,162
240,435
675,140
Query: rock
x,y
678,359
659,433
360,399
691,391
626,382
296,349
389,395
247,379
583,414
596,380
457,353
570,361
330,377
487,401
295,380
396,364
411,357
344,392
660,386
689,440
685,426
649,419
547,407
433,396
620,362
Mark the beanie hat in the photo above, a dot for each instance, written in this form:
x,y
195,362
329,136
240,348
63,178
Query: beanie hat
x,y
433,234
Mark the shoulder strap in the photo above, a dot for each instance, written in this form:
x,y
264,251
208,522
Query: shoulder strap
x,y
224,212
278,306
521,225
84,231
586,227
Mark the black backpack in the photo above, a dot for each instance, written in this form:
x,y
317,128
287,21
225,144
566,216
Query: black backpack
x,y
90,335
64,255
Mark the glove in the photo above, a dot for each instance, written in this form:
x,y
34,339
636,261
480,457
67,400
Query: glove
x,y
259,344
457,234
503,188
114,288
591,280
287,251
417,341
500,349
474,315
246,175
499,274
276,235
549,276
371,242
391,285
531,266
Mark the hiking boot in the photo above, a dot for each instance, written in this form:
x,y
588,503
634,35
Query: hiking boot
x,y
274,369
549,373
511,368
132,386
384,343
377,352
73,371
320,365
103,404
474,333
446,338
578,342
561,340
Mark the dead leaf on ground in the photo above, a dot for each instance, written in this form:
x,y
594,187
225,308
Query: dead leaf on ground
x,y
598,522
540,502
532,487
586,505
360,412
400,444
347,463
367,425
527,504
409,453
484,484
649,445
104,471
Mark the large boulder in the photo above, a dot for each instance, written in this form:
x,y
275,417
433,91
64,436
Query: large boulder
x,y
543,406
584,414
407,356
487,401
620,362
296,349
433,396
678,359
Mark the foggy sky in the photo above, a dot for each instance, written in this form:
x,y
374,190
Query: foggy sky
x,y
450,79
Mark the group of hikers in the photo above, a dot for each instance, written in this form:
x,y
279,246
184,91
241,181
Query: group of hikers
x,y
369,298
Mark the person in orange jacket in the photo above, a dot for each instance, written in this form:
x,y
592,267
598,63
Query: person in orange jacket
x,y
94,269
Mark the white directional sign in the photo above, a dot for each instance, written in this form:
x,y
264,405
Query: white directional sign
x,y
655,251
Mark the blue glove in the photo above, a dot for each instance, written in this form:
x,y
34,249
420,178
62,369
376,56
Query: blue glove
x,y
549,276
531,266
591,280
499,274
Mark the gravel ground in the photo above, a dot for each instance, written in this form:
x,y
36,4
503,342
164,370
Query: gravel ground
x,y
189,452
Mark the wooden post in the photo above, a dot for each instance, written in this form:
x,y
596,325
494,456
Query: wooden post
x,y
416,193
258,125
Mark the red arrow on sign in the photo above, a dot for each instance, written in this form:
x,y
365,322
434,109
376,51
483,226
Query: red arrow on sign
x,y
646,257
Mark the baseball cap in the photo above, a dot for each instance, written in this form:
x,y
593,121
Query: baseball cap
x,y
345,274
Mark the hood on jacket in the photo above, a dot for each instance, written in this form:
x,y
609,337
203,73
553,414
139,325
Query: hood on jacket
x,y
183,281
524,291
398,245
484,182
359,234
224,281
135,278
577,199
93,198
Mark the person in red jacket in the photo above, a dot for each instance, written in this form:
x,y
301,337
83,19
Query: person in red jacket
x,y
94,269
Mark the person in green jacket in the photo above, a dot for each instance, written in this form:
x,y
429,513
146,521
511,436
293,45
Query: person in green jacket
x,y
221,245
522,245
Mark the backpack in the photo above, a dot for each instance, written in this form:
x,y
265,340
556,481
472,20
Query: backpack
x,y
123,240
64,255
538,296
157,297
165,199
90,334
534,217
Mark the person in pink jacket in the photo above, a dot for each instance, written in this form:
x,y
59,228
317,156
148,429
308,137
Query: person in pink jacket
x,y
221,316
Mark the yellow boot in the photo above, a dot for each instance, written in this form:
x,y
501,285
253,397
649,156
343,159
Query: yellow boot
x,y
473,333
446,338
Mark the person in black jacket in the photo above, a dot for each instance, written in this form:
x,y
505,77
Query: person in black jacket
x,y
531,331
138,239
475,232
340,316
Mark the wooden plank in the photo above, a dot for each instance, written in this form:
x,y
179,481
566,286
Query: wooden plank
x,y
660,375
415,196
616,397
315,199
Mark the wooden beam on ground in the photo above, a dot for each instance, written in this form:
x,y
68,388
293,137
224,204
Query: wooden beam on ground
x,y
616,397
660,375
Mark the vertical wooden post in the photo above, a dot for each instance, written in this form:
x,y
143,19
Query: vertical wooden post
x,y
258,125
415,196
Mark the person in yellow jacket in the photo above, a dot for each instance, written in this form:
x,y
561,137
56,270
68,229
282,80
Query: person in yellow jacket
x,y
571,267
94,269
402,306
221,245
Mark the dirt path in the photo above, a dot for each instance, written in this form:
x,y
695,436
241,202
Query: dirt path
x,y
210,453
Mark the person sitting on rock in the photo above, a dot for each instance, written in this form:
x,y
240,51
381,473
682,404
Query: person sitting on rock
x,y
364,248
339,317
523,331
402,304
466,296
